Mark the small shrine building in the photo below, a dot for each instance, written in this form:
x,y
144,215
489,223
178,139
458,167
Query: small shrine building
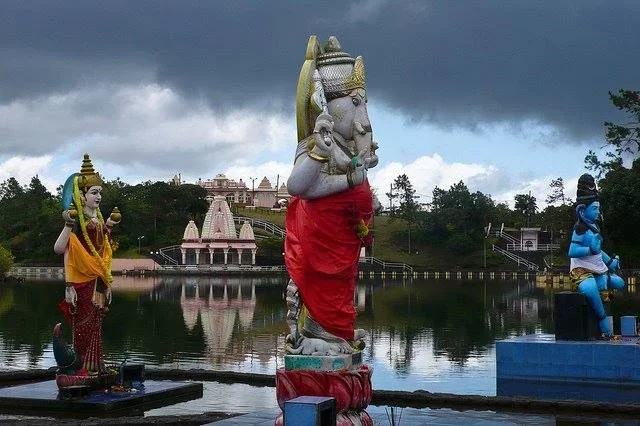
x,y
218,242
264,194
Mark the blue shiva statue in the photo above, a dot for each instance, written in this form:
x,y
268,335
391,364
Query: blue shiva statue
x,y
592,269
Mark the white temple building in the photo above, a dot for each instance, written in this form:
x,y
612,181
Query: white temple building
x,y
218,242
236,192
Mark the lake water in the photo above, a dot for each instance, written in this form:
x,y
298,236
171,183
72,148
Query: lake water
x,y
436,335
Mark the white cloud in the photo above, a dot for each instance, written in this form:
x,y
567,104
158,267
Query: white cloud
x,y
365,10
425,173
146,129
24,168
539,188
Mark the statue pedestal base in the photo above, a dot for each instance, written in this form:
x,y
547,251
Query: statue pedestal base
x,y
73,381
351,387
540,366
45,399
323,363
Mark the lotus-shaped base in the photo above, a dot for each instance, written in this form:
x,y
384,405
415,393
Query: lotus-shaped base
x,y
92,381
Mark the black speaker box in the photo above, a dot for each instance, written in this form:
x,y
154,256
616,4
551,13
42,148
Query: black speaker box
x,y
574,318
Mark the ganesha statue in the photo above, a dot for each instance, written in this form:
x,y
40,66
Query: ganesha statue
x,y
328,222
331,210
592,270
85,241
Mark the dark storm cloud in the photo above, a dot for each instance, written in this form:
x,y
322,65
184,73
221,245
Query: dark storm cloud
x,y
450,63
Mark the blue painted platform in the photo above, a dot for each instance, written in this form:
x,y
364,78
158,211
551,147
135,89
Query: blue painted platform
x,y
596,370
43,397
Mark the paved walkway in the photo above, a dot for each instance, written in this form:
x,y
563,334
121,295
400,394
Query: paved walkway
x,y
415,417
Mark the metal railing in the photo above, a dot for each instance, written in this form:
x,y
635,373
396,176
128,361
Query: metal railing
x,y
163,254
541,247
387,265
262,224
506,236
514,257
227,267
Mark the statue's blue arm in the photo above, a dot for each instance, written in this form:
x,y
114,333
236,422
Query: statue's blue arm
x,y
579,246
613,263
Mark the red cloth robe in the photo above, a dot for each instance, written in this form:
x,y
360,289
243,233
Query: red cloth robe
x,y
86,321
322,251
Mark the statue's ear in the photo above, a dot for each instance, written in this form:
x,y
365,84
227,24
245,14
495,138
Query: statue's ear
x,y
580,208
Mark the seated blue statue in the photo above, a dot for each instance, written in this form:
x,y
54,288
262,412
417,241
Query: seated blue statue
x,y
593,270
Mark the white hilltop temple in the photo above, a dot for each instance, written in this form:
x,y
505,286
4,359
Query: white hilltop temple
x,y
218,242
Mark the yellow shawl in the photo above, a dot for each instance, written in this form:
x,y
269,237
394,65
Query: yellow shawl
x,y
82,266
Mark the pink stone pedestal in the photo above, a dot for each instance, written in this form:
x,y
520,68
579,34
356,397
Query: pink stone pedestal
x,y
351,389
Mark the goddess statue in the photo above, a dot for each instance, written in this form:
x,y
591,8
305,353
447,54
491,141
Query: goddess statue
x,y
592,269
330,214
85,241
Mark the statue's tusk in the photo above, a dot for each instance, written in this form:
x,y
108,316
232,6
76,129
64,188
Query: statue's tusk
x,y
359,128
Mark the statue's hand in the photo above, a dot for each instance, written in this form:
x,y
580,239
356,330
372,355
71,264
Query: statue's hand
x,y
323,128
615,264
324,123
595,245
109,222
70,295
357,172
68,220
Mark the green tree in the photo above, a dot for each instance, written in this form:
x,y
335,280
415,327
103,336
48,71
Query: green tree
x,y
270,251
525,204
27,220
625,137
30,219
6,261
622,138
408,208
457,218
557,192
620,204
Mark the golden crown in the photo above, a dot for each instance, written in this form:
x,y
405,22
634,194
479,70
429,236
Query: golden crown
x,y
357,79
88,176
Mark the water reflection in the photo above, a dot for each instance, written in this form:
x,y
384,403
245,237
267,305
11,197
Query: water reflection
x,y
436,335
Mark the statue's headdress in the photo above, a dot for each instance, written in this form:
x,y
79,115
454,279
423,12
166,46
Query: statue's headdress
x,y
88,176
72,200
84,180
340,74
587,191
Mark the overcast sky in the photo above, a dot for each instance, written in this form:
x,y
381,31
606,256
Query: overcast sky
x,y
503,95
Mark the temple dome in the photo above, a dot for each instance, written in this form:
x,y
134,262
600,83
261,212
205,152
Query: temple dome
x,y
246,232
218,222
283,191
191,231
265,184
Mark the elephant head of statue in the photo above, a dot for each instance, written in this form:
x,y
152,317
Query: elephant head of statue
x,y
339,89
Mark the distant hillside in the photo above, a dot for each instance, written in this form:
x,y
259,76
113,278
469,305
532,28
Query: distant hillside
x,y
391,243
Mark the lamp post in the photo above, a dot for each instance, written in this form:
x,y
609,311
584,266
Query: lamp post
x,y
153,257
253,191
139,238
487,232
409,222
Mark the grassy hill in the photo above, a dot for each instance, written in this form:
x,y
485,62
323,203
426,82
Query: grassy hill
x,y
391,243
